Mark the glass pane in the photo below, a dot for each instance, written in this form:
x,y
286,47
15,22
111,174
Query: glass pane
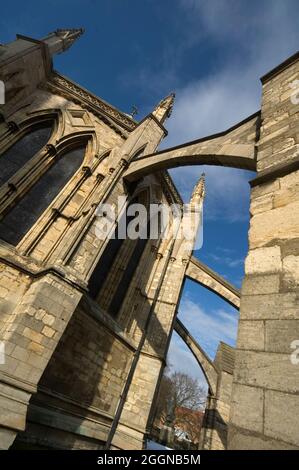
x,y
27,211
20,153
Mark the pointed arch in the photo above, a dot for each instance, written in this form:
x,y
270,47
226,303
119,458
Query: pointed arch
x,y
205,276
111,279
205,363
72,140
139,152
26,139
14,131
68,156
235,148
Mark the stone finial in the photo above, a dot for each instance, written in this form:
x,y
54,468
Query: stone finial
x,y
62,39
163,110
199,190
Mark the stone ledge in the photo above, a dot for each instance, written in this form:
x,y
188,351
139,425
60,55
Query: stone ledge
x,y
279,68
279,170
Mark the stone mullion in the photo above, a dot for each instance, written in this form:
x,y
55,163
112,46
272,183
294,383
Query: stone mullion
x,y
84,226
23,180
111,283
134,295
31,240
143,287
9,136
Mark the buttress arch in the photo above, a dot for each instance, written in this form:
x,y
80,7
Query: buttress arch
x,y
205,363
203,275
235,148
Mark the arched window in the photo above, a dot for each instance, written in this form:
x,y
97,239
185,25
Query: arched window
x,y
18,220
114,272
127,276
13,159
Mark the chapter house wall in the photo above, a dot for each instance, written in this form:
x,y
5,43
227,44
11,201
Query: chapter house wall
x,y
106,139
13,285
35,310
89,365
80,388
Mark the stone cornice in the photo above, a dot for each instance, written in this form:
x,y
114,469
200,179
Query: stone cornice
x,y
279,68
276,171
90,100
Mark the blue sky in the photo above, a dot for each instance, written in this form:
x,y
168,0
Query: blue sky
x,y
211,53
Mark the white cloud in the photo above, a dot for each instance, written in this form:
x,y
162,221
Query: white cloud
x,y
209,327
182,360
230,261
227,191
254,38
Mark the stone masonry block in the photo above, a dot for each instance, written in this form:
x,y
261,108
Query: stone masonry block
x,y
247,408
281,411
263,260
281,223
261,284
270,306
279,334
266,370
251,335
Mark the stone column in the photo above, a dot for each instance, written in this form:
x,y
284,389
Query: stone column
x,y
265,401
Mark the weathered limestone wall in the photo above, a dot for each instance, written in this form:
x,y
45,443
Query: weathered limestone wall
x,y
217,413
215,425
35,305
265,402
30,329
80,388
24,65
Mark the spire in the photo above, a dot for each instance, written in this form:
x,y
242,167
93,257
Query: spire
x,y
61,39
164,108
199,190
